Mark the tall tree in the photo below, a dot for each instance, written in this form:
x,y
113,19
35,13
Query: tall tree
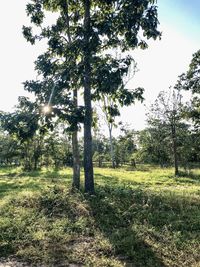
x,y
96,27
125,146
191,81
58,69
110,111
87,53
154,144
75,147
110,107
167,110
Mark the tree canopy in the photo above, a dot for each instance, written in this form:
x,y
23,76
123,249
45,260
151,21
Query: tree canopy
x,y
79,55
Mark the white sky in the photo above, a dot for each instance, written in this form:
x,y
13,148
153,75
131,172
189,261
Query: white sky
x,y
159,65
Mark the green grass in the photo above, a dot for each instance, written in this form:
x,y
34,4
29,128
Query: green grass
x,y
144,218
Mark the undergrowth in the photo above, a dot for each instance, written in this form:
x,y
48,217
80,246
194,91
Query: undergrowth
x,y
136,218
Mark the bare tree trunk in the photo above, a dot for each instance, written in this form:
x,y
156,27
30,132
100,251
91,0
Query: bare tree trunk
x,y
112,153
174,140
88,164
36,160
75,146
75,150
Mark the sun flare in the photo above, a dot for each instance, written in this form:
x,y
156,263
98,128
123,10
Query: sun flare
x,y
46,109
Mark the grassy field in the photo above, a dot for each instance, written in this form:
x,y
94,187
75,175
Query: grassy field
x,y
137,218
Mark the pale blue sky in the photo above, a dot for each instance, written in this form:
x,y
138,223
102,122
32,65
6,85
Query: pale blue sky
x,y
159,65
183,15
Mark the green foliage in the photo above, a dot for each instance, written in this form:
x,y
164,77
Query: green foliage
x,y
9,150
154,145
79,55
22,123
125,147
167,111
37,150
113,24
191,81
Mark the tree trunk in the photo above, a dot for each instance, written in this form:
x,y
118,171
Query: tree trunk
x,y
111,148
100,161
75,149
174,141
36,160
88,164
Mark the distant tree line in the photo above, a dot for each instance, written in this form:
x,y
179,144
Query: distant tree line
x,y
32,139
172,137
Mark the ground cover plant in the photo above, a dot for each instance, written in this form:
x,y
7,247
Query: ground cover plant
x,y
143,217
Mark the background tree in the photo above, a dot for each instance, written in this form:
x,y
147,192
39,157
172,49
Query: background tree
x,y
110,112
154,145
167,110
125,146
57,149
100,150
22,125
10,150
111,108
191,81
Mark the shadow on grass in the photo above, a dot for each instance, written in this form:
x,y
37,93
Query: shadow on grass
x,y
126,218
9,175
188,177
12,187
115,181
136,222
110,208
16,182
139,167
54,173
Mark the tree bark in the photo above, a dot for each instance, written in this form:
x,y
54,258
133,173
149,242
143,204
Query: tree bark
x,y
174,141
75,146
75,150
111,147
88,164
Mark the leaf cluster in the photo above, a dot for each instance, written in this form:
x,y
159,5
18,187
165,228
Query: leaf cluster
x,y
113,24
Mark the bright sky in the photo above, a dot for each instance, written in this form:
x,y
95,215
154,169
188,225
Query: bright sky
x,y
159,65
